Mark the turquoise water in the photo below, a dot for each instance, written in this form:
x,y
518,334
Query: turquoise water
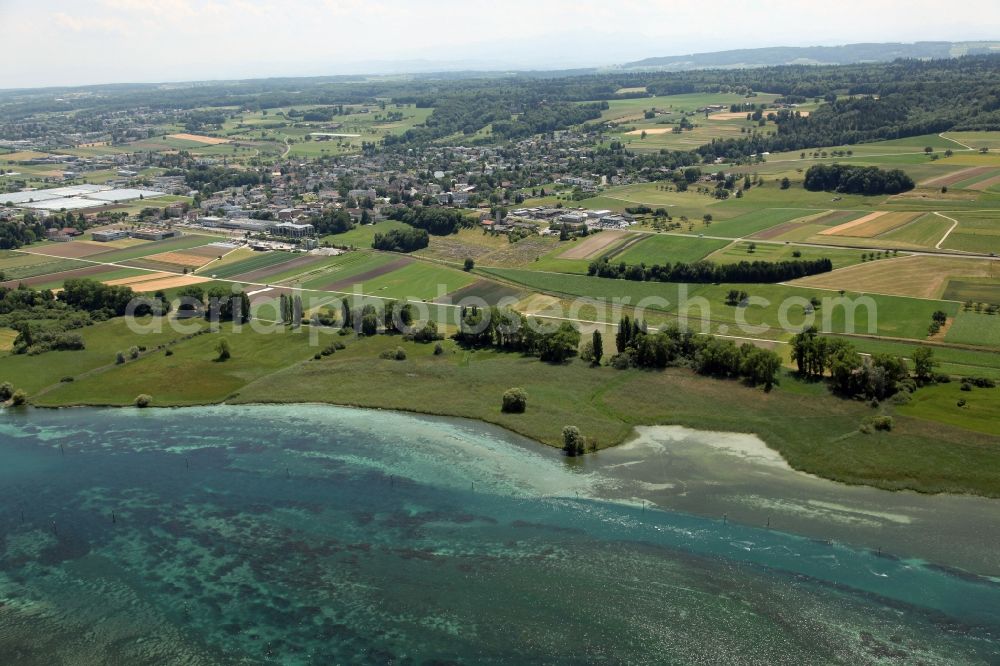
x,y
311,534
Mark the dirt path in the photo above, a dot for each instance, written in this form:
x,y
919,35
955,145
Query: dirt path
x,y
954,223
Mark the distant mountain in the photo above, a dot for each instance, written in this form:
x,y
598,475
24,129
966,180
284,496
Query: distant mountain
x,y
814,55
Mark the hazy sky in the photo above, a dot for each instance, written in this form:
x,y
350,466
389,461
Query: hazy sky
x,y
57,42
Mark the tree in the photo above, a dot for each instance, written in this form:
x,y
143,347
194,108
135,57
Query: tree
x,y
785,183
760,366
923,364
18,398
573,441
598,341
470,263
297,311
515,400
559,345
243,315
223,350
624,335
6,391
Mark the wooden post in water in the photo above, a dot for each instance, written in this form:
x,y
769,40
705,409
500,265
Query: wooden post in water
x,y
114,519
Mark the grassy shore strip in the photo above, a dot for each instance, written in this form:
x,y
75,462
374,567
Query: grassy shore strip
x,y
815,432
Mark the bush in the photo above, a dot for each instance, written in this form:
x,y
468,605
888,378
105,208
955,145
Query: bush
x,y
427,333
397,354
66,380
18,398
966,386
169,352
979,382
143,400
438,349
133,353
515,400
876,423
223,349
339,345
119,358
573,441
470,263
6,391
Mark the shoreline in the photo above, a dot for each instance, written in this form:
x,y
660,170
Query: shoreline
x,y
634,434
729,477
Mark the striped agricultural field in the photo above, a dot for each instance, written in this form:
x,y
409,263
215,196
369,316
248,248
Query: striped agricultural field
x,y
872,225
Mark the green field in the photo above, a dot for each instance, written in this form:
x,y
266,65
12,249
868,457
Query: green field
x,y
751,222
103,341
190,375
737,252
893,315
261,260
20,266
923,232
362,236
976,232
981,411
184,242
972,328
110,273
346,266
662,249
417,281
982,290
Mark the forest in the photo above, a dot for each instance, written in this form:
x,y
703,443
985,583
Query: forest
x,y
873,101
856,179
437,221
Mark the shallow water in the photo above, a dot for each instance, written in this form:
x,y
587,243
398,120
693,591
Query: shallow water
x,y
310,534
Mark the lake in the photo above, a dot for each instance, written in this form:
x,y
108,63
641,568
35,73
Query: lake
x,y
316,534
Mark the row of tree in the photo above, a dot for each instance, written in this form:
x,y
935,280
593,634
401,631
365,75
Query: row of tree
x,y
706,354
706,272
